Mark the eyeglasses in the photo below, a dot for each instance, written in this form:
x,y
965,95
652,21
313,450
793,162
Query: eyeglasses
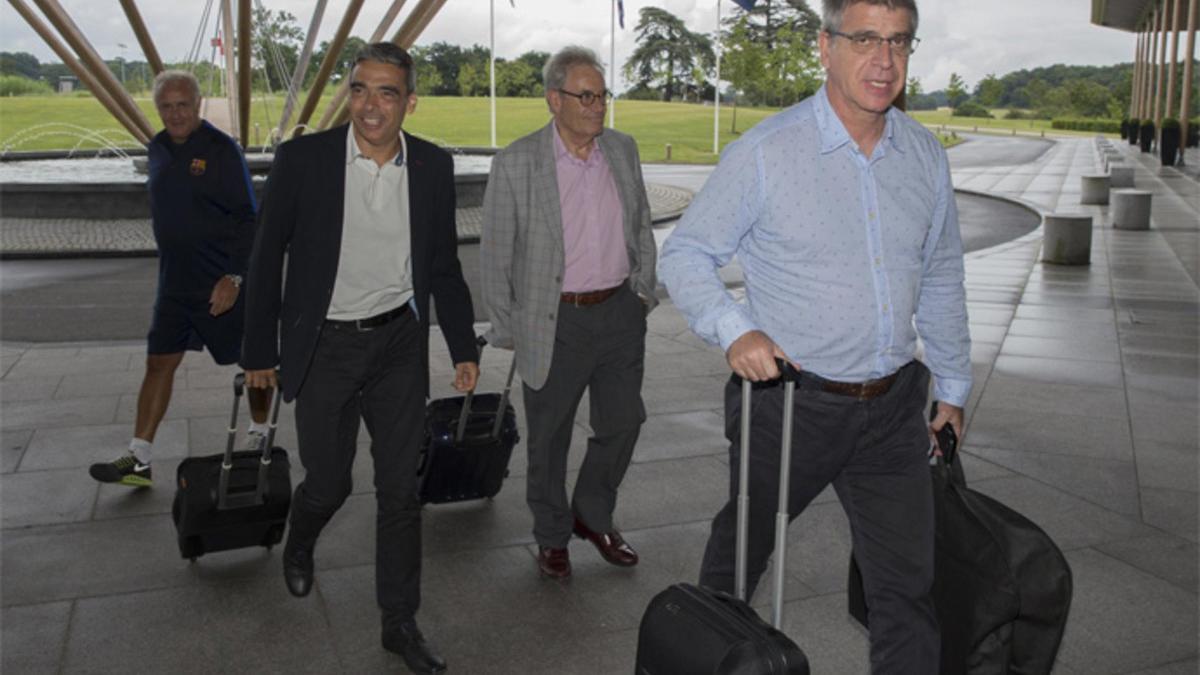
x,y
588,97
865,43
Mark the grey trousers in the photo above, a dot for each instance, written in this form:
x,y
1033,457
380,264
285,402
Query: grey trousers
x,y
600,348
875,454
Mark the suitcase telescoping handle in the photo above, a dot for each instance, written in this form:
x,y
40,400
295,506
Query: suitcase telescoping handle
x,y
789,376
224,499
470,397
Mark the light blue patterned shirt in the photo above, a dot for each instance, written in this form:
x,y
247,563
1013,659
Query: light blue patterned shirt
x,y
840,251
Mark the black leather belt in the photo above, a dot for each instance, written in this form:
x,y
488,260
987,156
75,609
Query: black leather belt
x,y
369,323
863,391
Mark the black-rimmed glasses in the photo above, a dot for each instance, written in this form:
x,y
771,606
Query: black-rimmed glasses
x,y
587,97
864,43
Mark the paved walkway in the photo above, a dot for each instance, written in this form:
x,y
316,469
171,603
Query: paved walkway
x,y
1083,417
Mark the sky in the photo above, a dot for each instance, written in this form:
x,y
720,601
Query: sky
x,y
969,37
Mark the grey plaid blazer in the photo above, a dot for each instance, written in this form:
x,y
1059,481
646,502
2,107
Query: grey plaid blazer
x,y
521,249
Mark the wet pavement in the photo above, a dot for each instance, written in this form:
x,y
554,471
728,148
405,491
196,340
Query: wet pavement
x,y
1083,417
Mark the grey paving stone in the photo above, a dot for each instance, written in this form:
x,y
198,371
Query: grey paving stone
x,y
46,497
1061,313
1176,511
685,394
1016,393
1174,423
28,389
681,435
82,385
1072,522
1185,667
1050,432
502,521
1166,345
987,333
71,412
990,314
233,626
818,552
673,491
1080,348
669,366
78,447
978,468
1111,484
184,403
1059,371
95,558
120,501
1123,618
12,448
33,364
1167,557
33,637
1167,465
1093,330
832,641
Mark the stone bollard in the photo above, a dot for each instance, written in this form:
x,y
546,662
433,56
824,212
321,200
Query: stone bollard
x,y
668,152
1131,209
1067,239
1093,189
1120,176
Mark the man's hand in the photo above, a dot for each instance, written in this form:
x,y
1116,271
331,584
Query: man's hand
x,y
224,294
466,375
946,413
753,357
261,379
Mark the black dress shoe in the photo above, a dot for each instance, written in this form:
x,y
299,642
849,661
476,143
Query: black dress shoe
x,y
410,644
610,545
298,571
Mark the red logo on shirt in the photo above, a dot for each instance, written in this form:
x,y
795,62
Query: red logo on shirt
x,y
198,166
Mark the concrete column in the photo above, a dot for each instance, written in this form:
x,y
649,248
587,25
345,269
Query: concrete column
x,y
1093,189
1120,176
1161,74
1130,209
1175,19
1151,67
1067,239
1189,54
1137,76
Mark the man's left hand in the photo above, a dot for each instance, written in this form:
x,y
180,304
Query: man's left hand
x,y
947,414
224,294
466,374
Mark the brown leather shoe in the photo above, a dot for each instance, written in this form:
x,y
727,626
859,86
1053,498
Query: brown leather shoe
x,y
554,562
610,544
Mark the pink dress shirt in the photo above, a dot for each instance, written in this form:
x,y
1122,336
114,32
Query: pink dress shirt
x,y
593,227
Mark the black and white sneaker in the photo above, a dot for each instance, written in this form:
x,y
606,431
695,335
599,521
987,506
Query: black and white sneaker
x,y
125,471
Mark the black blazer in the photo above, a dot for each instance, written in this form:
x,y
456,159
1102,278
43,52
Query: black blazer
x,y
301,217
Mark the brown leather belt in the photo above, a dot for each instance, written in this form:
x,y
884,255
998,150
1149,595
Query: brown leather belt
x,y
588,298
369,323
863,391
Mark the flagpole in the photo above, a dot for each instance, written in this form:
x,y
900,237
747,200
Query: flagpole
x,y
612,65
492,65
717,88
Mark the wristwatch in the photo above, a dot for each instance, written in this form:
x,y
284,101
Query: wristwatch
x,y
236,279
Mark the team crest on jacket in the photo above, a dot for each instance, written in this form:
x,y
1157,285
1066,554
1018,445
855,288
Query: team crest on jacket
x,y
198,166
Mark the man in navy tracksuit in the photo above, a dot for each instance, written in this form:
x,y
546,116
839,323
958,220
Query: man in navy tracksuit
x,y
203,210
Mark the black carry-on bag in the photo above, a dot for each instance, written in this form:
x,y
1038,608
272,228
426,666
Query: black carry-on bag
x,y
235,499
1001,587
467,445
691,630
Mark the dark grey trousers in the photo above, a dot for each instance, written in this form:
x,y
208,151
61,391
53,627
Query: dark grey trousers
x,y
602,349
373,375
875,454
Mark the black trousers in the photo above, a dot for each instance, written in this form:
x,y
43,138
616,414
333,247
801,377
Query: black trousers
x,y
600,348
875,454
373,376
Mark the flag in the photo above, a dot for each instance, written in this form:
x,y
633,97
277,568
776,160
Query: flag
x,y
621,14
745,4
512,3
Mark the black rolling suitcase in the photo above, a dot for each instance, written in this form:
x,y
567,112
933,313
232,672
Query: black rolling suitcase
x,y
467,445
235,499
691,630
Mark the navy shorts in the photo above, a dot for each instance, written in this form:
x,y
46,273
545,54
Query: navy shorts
x,y
180,325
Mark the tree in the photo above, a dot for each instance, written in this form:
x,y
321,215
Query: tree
x,y
989,91
472,81
914,88
343,64
20,63
773,51
764,22
517,78
956,91
536,61
276,43
667,53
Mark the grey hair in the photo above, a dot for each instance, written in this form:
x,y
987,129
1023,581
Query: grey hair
x,y
832,11
554,73
392,54
169,78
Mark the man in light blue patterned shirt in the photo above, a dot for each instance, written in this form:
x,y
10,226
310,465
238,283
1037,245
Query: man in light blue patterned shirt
x,y
841,212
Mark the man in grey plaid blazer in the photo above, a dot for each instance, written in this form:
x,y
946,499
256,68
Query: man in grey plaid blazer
x,y
567,259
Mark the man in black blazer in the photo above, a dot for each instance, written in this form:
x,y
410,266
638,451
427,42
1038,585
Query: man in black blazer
x,y
365,217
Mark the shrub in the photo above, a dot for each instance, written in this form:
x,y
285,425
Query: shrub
x,y
1170,123
1087,124
1015,114
15,85
971,109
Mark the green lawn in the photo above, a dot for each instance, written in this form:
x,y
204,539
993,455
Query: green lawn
x,y
56,122
997,124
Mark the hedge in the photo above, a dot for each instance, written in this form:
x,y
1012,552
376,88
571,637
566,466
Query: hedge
x,y
1090,124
